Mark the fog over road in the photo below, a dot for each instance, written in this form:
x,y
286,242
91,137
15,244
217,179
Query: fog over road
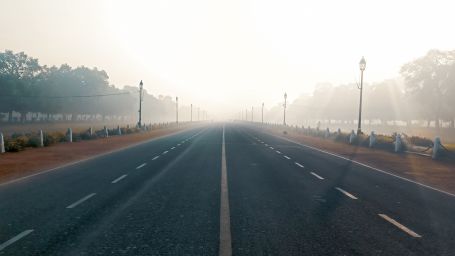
x,y
166,197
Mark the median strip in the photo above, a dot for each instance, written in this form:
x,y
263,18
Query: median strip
x,y
400,226
80,201
15,239
346,193
118,179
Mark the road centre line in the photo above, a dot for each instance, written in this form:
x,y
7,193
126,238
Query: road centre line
x,y
140,166
15,239
172,148
400,226
165,152
271,147
317,176
80,201
156,157
278,151
118,179
288,158
346,193
225,247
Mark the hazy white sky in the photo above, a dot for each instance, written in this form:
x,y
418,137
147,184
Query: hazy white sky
x,y
228,55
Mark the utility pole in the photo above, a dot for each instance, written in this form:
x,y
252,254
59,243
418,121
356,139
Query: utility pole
x,y
284,105
139,123
362,65
191,118
177,110
262,113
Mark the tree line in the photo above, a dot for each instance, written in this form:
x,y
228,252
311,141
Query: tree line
x,y
423,95
81,92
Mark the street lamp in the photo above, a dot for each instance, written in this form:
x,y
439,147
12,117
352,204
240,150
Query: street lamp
x,y
262,113
177,110
284,105
141,85
362,65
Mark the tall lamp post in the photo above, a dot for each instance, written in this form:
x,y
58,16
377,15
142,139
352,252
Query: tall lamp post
x,y
177,110
139,123
284,105
362,65
252,110
262,113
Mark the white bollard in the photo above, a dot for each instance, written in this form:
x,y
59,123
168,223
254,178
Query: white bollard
x,y
436,147
70,135
41,138
352,137
106,132
119,131
398,143
327,133
2,144
372,139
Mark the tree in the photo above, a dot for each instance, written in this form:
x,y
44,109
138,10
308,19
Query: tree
x,y
430,82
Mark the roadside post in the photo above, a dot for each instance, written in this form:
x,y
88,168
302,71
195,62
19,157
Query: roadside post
x,y
436,148
2,144
106,132
352,137
372,139
41,138
119,131
70,135
398,143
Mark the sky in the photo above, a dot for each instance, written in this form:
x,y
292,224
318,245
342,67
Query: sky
x,y
226,56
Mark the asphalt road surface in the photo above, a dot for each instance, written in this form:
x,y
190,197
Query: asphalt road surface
x,y
223,189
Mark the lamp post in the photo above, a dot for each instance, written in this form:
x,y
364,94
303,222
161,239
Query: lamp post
x,y
362,65
252,110
177,110
262,113
139,123
284,105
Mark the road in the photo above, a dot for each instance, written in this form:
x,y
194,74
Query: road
x,y
223,189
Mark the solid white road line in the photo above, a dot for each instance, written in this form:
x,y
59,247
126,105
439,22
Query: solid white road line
x,y
225,219
287,157
165,152
15,239
278,152
80,201
317,176
140,166
346,193
299,165
156,157
400,226
118,179
367,166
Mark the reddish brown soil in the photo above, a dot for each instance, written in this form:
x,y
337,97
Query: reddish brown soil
x,y
436,173
33,160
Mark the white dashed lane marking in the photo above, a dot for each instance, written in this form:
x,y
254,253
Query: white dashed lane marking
x,y
156,157
346,193
119,179
317,176
287,157
15,239
80,201
278,152
400,226
140,166
299,165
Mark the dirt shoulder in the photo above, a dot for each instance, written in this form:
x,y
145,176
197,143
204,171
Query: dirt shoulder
x,y
438,174
34,160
